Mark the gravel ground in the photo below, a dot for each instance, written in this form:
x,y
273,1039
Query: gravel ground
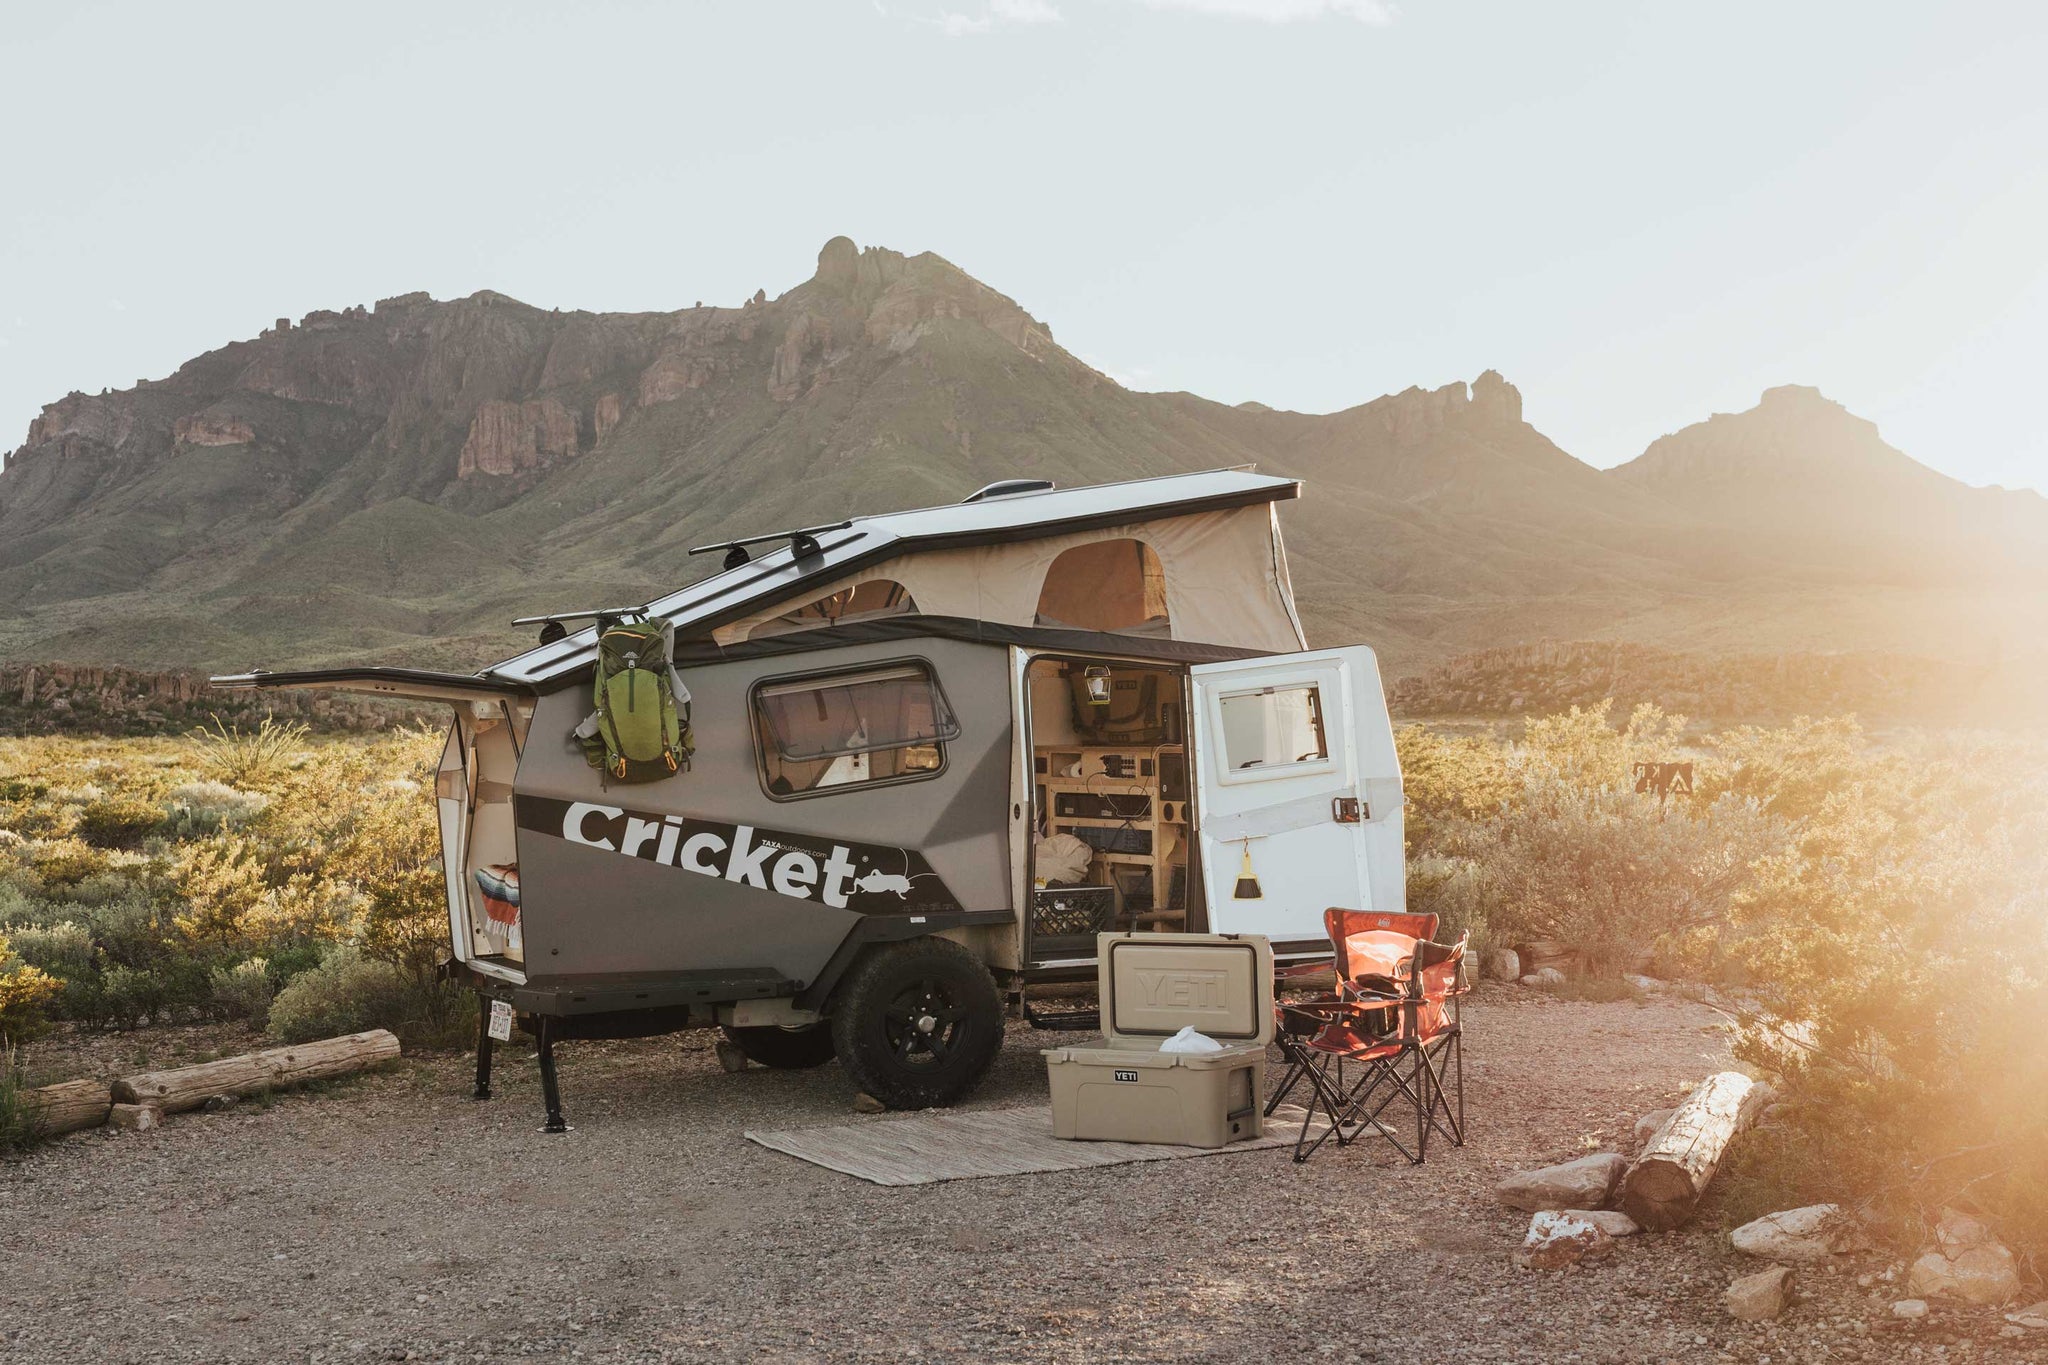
x,y
392,1218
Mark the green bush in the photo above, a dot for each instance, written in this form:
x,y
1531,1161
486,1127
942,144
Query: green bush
x,y
118,822
199,808
21,1123
346,993
244,991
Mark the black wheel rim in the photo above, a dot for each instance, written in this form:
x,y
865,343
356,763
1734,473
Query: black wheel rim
x,y
923,1024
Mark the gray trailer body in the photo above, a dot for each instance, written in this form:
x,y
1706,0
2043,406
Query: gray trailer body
x,y
727,895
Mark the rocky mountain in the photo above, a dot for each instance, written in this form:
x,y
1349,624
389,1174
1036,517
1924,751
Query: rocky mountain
x,y
395,481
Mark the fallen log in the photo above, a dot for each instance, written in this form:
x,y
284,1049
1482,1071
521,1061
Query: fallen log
x,y
71,1106
1663,1187
188,1087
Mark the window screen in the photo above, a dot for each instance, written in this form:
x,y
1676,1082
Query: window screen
x,y
871,726
1274,726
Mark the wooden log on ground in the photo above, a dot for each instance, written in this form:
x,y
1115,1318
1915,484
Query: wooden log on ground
x,y
1663,1187
188,1087
71,1106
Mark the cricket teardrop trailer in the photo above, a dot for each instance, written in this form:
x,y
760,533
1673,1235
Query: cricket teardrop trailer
x,y
905,727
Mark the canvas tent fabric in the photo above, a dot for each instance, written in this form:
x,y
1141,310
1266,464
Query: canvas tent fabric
x,y
1215,531
1225,580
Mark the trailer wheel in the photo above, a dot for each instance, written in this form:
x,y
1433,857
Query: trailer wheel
x,y
917,1023
784,1049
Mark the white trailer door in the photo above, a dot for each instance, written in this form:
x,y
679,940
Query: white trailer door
x,y
1296,773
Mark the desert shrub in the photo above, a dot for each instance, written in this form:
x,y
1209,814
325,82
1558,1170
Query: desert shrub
x,y
118,822
25,992
1449,781
244,991
1613,873
248,758
1897,950
198,808
21,1123
346,993
1455,890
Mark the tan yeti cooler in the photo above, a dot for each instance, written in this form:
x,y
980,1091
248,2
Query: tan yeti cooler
x,y
1150,986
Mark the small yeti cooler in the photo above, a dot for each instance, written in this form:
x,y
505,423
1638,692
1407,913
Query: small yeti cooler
x,y
1149,987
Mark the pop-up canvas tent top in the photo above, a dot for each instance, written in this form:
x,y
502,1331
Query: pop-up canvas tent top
x,y
891,715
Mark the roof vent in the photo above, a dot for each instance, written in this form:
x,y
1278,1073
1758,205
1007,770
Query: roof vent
x,y
1005,488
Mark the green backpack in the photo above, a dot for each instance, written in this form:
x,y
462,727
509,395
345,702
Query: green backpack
x,y
640,731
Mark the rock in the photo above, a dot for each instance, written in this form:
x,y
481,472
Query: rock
x,y
1762,1296
1587,1183
2034,1315
1647,1126
1557,1240
136,1118
220,1104
865,1103
1808,1236
730,1058
1501,964
1910,1308
211,428
1613,1222
507,438
1984,1274
1548,977
1547,953
1648,985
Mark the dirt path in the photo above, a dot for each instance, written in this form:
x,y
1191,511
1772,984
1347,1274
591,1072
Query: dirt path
x,y
399,1220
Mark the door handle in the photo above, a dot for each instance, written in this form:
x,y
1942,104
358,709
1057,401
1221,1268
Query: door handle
x,y
1347,810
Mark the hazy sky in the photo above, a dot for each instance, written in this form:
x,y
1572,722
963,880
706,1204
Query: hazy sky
x,y
1641,213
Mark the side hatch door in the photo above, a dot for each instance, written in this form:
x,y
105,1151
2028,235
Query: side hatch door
x,y
1298,792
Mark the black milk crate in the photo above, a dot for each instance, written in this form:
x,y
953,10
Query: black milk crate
x,y
1072,911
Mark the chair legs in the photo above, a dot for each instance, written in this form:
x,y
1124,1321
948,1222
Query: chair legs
x,y
1414,1077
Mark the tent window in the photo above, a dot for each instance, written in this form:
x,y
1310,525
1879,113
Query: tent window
x,y
852,729
1109,585
874,598
1273,727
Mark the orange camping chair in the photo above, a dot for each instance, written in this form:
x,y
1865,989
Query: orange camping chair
x,y
1396,1016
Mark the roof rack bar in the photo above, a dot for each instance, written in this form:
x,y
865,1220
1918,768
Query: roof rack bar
x,y
580,615
806,532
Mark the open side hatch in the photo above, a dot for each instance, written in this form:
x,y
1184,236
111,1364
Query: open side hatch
x,y
1298,793
472,795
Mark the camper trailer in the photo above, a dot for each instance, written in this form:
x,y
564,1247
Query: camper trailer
x,y
936,752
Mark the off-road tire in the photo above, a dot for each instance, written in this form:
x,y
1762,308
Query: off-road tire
x,y
784,1049
917,1023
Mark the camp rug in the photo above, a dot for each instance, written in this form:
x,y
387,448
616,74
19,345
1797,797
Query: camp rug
x,y
923,1149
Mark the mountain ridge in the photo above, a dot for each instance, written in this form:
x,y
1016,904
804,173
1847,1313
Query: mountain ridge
x,y
393,482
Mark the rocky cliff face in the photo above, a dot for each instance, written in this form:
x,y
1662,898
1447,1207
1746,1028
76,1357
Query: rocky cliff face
x,y
393,482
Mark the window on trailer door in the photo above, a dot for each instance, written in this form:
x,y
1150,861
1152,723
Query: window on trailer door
x,y
1274,726
827,733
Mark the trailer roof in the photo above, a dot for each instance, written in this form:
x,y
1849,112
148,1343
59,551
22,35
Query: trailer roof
x,y
779,574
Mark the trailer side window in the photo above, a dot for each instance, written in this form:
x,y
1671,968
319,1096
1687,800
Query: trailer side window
x,y
1274,726
852,729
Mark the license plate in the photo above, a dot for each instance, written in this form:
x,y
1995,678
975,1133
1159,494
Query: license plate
x,y
501,1020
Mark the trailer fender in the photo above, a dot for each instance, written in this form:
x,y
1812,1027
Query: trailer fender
x,y
873,930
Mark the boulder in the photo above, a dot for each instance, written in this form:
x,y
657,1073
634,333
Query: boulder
x,y
1984,1274
136,1118
1547,976
1807,1236
1648,1124
1501,964
1613,1222
1910,1308
1762,1296
1587,1183
2034,1315
1557,1240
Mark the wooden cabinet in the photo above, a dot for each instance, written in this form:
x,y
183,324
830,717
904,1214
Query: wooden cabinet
x,y
1130,805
